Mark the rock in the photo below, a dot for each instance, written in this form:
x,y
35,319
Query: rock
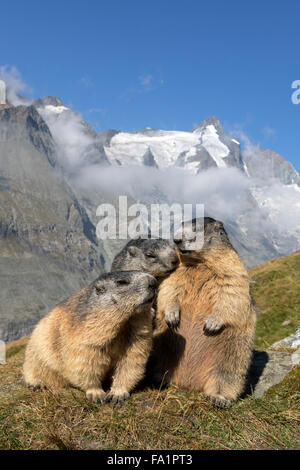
x,y
149,160
268,164
268,368
296,357
292,341
286,322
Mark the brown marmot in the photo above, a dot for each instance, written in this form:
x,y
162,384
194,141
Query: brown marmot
x,y
151,255
103,330
209,292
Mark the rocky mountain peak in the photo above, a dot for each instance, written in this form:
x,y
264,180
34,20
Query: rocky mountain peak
x,y
48,100
24,123
266,164
210,121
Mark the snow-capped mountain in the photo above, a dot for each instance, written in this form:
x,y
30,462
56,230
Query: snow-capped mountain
x,y
272,199
203,147
48,220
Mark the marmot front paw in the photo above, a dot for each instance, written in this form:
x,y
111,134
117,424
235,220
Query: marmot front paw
x,y
213,325
117,397
97,395
172,318
219,401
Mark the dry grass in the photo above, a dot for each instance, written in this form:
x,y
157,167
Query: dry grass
x,y
171,418
151,419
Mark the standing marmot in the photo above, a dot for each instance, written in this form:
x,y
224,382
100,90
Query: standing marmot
x,y
102,330
209,292
154,256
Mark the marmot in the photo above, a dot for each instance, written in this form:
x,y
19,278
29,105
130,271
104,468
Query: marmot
x,y
151,255
209,292
103,330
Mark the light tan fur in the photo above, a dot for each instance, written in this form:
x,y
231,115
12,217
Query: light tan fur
x,y
92,336
211,349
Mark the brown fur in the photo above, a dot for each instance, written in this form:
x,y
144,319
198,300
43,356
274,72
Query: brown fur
x,y
211,349
152,256
104,330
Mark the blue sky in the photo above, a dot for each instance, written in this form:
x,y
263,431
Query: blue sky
x,y
163,63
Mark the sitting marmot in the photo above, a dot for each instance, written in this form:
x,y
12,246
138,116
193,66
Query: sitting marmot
x,y
209,294
104,330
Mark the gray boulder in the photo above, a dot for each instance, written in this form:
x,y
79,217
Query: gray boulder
x,y
270,367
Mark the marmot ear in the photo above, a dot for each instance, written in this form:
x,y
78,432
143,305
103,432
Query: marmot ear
x,y
99,288
133,250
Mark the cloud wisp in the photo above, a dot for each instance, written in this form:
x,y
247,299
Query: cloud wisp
x,y
15,85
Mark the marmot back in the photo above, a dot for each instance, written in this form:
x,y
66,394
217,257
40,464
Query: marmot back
x,y
102,331
208,297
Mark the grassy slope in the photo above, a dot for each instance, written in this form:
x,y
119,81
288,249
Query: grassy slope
x,y
276,289
168,419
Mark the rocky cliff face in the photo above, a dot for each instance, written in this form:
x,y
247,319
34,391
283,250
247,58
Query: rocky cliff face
x,y
264,164
48,246
77,142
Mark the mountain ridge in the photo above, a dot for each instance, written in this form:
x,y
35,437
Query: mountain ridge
x,y
48,246
48,243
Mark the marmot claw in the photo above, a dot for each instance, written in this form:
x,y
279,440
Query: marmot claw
x,y
172,318
117,398
212,325
219,401
96,395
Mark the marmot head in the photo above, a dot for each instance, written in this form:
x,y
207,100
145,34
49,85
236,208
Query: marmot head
x,y
152,255
214,237
120,290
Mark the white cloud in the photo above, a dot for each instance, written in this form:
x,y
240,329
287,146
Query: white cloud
x,y
15,85
146,83
268,132
70,135
145,80
86,82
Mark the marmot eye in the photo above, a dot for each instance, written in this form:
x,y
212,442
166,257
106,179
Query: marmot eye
x,y
122,282
150,255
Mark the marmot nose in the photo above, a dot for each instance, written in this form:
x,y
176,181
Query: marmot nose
x,y
218,225
174,261
152,282
177,241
